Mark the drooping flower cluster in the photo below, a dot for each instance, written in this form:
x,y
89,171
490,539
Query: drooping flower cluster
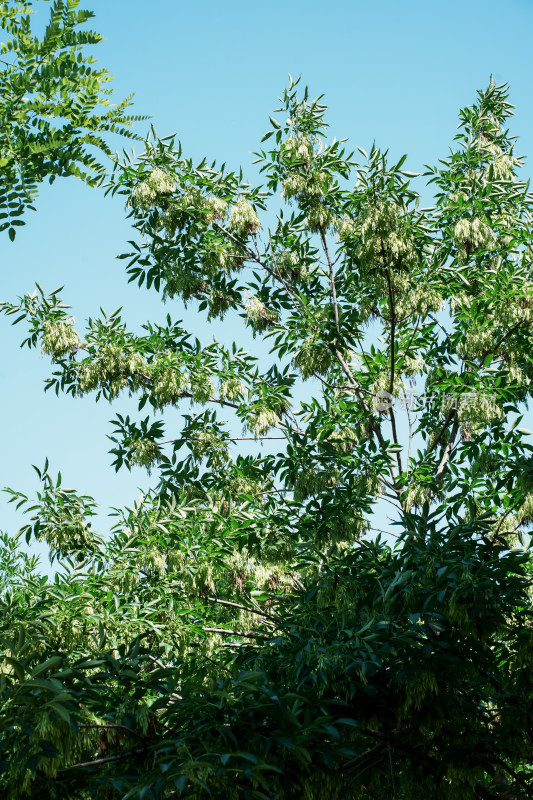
x,y
313,357
231,388
169,381
471,234
59,339
112,368
289,266
261,419
259,315
385,240
243,219
208,443
309,482
145,453
158,184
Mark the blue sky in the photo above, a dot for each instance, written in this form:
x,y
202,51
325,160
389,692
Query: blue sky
x,y
395,73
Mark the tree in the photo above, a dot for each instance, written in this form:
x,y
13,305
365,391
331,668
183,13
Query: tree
x,y
244,633
53,99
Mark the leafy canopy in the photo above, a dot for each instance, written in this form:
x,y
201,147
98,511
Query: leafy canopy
x,y
243,632
54,105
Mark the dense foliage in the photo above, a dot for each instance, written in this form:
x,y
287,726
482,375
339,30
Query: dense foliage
x,y
245,631
54,105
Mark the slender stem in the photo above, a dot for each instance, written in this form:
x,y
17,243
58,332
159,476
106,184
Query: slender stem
x,y
231,439
230,632
410,421
106,760
231,604
392,332
447,451
332,280
110,726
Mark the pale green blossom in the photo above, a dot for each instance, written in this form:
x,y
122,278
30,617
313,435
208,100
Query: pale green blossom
x,y
145,453
259,315
243,219
216,209
157,184
231,388
261,419
113,368
312,356
59,338
472,233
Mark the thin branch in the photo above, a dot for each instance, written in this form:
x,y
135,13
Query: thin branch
x,y
440,434
230,439
332,280
106,760
212,660
231,604
447,453
230,632
110,726
439,324
410,421
393,366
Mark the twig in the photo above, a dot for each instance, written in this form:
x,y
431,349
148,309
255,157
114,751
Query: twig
x,y
106,760
230,632
231,604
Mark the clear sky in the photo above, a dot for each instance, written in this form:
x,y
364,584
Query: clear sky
x,y
392,72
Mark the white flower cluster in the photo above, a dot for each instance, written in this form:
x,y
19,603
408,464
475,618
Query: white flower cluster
x,y
344,439
422,298
298,148
312,356
310,482
516,374
145,453
416,495
460,302
345,228
220,257
259,315
345,527
59,338
472,233
111,368
382,384
243,219
476,342
288,266
525,512
475,409
153,560
231,388
208,443
215,209
169,382
516,309
304,187
319,218
201,386
412,365
503,166
384,242
158,183
261,419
